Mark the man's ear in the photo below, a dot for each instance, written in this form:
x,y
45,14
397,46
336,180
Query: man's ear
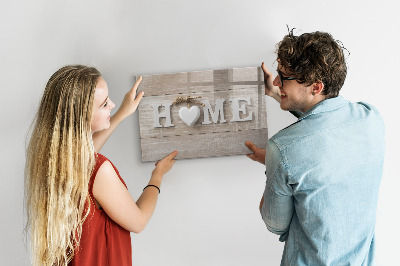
x,y
317,88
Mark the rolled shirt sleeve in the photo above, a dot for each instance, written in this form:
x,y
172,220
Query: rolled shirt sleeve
x,y
277,209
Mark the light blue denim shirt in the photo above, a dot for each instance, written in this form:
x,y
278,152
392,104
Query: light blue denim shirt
x,y
323,176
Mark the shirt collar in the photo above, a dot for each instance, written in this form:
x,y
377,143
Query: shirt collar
x,y
325,106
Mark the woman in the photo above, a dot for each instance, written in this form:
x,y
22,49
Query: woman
x,y
78,207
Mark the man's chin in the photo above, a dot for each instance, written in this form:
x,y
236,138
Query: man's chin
x,y
284,107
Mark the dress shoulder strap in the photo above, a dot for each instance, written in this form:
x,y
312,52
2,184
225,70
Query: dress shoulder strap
x,y
100,159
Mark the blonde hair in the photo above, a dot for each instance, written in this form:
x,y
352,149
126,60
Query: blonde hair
x,y
59,161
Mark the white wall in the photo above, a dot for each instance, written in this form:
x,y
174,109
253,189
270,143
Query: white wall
x,y
208,208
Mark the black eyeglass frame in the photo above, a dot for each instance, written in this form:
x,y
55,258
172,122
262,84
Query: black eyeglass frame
x,y
282,78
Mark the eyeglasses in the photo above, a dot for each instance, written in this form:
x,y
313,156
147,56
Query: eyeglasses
x,y
282,78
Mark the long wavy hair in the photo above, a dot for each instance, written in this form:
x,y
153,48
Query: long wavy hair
x,y
59,161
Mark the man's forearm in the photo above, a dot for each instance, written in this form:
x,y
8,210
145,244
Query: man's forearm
x,y
276,211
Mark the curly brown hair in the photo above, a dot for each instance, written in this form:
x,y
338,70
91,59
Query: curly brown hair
x,y
314,57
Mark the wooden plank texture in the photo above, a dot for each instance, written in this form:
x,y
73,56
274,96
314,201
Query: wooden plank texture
x,y
222,136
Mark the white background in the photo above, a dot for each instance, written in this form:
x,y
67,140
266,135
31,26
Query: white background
x,y
208,208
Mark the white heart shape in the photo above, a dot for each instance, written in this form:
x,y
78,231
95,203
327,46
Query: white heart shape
x,y
189,116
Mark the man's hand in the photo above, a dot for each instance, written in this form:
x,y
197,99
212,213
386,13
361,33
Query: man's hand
x,y
270,89
258,154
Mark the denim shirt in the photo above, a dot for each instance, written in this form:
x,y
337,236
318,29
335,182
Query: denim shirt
x,y
323,176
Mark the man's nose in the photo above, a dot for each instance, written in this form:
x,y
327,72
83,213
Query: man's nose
x,y
277,81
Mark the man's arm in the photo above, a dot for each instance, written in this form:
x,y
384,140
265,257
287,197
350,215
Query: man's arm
x,y
276,211
274,91
276,205
270,89
128,107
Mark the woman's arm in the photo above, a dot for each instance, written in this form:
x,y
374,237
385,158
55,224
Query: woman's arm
x,y
116,201
128,107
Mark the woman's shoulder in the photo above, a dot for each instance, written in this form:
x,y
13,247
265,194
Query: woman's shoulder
x,y
105,167
102,164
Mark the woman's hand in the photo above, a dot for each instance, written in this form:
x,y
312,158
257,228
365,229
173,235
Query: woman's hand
x,y
270,89
131,101
164,165
128,107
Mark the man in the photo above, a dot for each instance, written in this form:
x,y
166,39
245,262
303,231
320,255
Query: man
x,y
323,171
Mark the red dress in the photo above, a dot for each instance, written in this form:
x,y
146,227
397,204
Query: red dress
x,y
103,241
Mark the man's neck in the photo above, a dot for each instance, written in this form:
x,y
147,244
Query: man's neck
x,y
316,100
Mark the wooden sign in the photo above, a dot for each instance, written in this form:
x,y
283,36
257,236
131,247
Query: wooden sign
x,y
202,113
